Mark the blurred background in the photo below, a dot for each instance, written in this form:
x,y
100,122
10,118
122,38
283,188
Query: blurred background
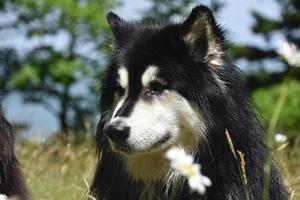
x,y
53,54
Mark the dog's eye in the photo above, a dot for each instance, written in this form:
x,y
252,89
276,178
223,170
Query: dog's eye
x,y
119,90
157,87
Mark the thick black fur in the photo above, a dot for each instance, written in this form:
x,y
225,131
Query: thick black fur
x,y
11,180
187,72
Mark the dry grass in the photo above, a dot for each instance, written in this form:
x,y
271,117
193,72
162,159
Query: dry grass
x,y
288,161
61,168
58,168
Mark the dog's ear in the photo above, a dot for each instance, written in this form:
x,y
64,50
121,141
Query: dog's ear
x,y
115,23
204,36
119,27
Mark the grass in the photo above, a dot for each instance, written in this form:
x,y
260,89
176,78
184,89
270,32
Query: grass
x,y
61,168
288,161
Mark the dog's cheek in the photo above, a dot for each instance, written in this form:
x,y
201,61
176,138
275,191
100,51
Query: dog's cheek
x,y
192,126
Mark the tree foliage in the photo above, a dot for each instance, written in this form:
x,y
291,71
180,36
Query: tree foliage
x,y
47,74
167,10
288,27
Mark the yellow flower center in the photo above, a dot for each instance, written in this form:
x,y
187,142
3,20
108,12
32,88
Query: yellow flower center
x,y
189,170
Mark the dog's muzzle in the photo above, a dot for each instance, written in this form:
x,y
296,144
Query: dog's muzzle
x,y
117,132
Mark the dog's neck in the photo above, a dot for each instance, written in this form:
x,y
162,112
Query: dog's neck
x,y
148,167
155,173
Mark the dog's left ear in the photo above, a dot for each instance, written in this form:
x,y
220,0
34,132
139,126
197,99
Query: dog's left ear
x,y
114,22
204,36
119,27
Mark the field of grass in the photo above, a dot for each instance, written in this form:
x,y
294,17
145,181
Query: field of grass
x,y
287,157
61,168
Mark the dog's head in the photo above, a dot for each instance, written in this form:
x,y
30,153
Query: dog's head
x,y
159,78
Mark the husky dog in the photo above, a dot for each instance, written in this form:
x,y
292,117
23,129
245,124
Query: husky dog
x,y
175,85
11,180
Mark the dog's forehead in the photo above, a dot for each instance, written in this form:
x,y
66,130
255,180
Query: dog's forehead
x,y
150,73
141,58
145,46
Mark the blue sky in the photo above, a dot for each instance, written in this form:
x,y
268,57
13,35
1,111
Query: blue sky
x,y
235,18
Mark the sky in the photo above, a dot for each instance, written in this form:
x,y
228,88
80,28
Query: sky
x,y
235,17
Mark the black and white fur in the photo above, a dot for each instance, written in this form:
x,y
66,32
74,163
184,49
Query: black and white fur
x,y
175,85
12,183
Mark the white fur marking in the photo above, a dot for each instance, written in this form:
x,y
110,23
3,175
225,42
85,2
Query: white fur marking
x,y
119,105
149,75
123,77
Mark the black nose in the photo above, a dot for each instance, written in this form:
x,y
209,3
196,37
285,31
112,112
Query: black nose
x,y
117,133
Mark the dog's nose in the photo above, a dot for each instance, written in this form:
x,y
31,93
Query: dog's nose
x,y
117,133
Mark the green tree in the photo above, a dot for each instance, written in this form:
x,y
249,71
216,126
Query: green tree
x,y
47,74
167,9
8,65
288,26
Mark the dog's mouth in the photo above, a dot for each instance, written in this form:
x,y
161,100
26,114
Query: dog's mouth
x,y
159,143
122,148
127,149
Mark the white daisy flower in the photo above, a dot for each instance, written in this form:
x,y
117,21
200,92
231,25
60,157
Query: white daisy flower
x,y
290,53
3,197
184,164
280,137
